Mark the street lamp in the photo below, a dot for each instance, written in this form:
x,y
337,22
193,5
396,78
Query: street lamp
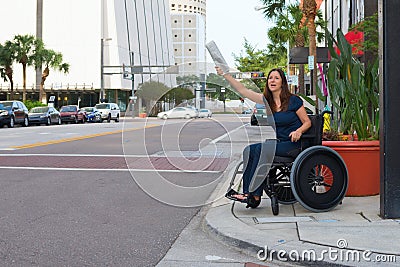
x,y
102,93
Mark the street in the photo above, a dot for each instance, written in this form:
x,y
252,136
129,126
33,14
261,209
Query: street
x,y
68,197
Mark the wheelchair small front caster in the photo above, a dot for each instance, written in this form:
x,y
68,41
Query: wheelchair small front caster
x,y
274,205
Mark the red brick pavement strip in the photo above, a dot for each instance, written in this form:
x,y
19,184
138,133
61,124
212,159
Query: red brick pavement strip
x,y
145,163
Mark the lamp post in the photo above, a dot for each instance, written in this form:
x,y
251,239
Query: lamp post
x,y
102,93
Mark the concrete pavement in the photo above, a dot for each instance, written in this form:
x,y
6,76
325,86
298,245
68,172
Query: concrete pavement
x,y
352,234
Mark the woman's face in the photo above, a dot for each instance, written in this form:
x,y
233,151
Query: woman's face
x,y
274,81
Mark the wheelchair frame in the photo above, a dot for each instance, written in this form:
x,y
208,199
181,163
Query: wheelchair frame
x,y
317,178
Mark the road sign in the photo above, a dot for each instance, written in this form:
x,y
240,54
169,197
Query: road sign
x,y
311,62
293,79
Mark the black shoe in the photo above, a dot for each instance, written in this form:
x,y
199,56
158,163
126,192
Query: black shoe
x,y
231,195
252,202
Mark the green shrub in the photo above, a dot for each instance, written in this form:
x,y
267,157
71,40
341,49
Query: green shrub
x,y
31,104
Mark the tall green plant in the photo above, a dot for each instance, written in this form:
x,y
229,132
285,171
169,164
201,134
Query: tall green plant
x,y
24,51
353,91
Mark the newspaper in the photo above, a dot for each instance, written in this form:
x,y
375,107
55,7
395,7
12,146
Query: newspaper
x,y
217,56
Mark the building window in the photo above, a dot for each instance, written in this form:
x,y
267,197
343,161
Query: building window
x,y
176,35
175,21
190,21
190,35
190,64
190,49
173,5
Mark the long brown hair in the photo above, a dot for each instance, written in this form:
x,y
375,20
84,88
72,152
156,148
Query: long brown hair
x,y
284,95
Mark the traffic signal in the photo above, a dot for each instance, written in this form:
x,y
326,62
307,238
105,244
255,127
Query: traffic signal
x,y
257,74
241,99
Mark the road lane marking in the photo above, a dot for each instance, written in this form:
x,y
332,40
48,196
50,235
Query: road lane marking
x,y
93,169
64,140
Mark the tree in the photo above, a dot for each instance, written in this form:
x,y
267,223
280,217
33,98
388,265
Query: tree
x,y
309,8
187,81
152,90
7,52
254,60
289,28
179,95
47,58
24,52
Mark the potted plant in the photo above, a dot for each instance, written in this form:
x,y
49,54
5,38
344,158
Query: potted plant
x,y
142,113
353,93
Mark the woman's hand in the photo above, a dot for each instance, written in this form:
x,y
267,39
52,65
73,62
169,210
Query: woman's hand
x,y
295,135
220,72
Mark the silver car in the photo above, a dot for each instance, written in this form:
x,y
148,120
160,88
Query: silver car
x,y
178,113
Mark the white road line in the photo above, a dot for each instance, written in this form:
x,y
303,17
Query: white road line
x,y
72,155
121,170
227,134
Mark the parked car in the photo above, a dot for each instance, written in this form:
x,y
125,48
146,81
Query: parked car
x,y
13,112
92,114
247,111
177,113
108,111
259,115
44,115
205,113
72,113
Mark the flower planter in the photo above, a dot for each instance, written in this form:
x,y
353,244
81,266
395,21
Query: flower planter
x,y
142,115
363,165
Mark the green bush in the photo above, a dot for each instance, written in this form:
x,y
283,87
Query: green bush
x,y
31,104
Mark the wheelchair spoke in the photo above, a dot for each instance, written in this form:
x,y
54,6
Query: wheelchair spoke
x,y
325,184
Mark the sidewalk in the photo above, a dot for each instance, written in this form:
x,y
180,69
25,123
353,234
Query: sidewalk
x,y
350,235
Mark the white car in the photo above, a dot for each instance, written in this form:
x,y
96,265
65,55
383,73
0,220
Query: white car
x,y
205,113
108,111
177,113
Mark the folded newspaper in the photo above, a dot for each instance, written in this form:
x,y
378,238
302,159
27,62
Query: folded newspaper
x,y
217,56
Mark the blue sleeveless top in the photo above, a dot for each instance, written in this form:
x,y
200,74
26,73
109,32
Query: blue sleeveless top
x,y
288,121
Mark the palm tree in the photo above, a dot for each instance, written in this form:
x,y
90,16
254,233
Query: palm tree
x,y
47,58
290,28
309,8
24,50
7,52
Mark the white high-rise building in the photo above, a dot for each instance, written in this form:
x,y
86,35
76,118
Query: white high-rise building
x,y
124,32
188,22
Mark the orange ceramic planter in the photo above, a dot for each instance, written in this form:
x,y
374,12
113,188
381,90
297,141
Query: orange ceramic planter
x,y
142,115
363,165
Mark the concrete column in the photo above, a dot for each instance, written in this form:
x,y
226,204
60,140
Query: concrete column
x,y
389,23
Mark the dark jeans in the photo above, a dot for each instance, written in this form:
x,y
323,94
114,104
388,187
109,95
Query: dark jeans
x,y
257,159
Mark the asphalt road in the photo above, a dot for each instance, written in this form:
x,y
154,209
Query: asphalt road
x,y
71,195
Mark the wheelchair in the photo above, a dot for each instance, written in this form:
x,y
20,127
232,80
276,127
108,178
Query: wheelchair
x,y
317,177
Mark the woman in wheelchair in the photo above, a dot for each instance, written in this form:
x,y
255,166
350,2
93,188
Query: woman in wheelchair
x,y
291,121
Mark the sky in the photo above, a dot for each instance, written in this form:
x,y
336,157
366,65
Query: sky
x,y
230,21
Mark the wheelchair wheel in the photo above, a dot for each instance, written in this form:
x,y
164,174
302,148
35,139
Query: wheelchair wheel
x,y
319,178
282,186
